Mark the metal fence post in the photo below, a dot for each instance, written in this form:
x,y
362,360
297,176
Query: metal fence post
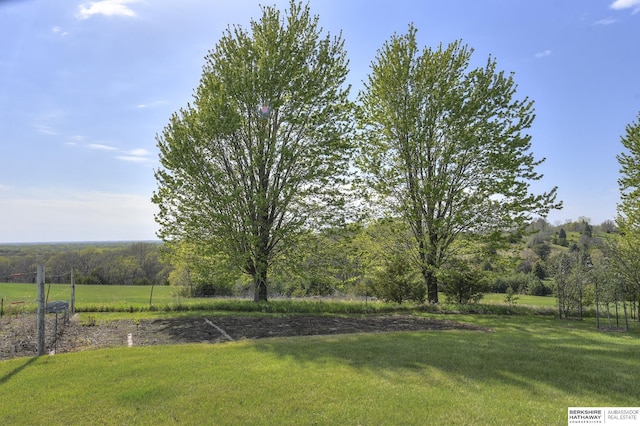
x,y
40,281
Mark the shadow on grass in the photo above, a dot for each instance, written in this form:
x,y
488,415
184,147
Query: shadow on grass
x,y
16,370
573,360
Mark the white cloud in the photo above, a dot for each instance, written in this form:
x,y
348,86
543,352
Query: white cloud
x,y
605,21
59,31
134,159
543,54
137,155
101,147
45,130
626,4
75,140
107,8
139,152
151,104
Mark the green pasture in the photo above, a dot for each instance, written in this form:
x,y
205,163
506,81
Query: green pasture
x,y
89,294
526,370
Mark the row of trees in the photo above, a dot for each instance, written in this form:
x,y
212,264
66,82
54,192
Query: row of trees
x,y
272,152
93,263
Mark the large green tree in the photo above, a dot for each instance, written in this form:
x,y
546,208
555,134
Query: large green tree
x,y
445,147
629,181
626,250
261,152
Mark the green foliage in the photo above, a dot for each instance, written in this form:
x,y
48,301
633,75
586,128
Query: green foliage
x,y
542,250
572,272
321,263
510,296
398,281
109,263
500,284
624,253
199,272
315,285
462,284
520,283
539,271
538,287
562,238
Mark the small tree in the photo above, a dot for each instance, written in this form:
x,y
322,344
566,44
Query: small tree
x,y
539,271
398,281
511,297
562,238
461,284
542,250
562,266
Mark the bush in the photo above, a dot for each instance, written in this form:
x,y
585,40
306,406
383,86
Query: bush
x,y
314,285
461,284
511,297
398,282
518,282
539,270
537,287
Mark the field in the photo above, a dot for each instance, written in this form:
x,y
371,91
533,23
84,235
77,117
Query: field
x,y
139,297
89,294
526,370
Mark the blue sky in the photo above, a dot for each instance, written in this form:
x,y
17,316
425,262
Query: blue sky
x,y
86,86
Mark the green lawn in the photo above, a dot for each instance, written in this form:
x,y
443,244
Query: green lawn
x,y
528,370
89,294
523,300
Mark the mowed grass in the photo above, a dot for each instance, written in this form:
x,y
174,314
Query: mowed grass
x,y
89,294
522,300
527,370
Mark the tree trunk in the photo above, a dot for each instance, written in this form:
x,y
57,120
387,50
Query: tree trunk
x,y
432,288
260,282
431,282
260,289
427,264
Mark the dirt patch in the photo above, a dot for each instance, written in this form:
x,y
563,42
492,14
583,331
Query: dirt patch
x,y
19,336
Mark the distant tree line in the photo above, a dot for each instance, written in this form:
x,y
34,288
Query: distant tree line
x,y
136,263
573,261
568,261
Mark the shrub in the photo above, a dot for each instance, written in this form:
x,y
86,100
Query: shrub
x,y
511,297
461,284
538,287
398,282
518,282
209,289
315,285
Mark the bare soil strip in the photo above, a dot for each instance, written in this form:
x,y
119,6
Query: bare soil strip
x,y
18,337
